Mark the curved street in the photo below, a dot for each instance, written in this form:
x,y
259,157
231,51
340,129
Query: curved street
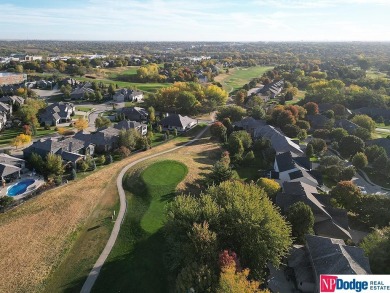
x,y
93,275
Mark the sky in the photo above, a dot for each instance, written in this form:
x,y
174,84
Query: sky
x,y
196,20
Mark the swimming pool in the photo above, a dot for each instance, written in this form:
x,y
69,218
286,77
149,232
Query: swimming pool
x,y
19,187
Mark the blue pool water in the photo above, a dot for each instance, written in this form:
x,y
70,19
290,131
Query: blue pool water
x,y
19,187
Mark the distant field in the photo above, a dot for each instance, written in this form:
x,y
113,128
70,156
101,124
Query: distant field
x,y
237,77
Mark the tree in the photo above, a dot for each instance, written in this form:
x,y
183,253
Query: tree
x,y
111,89
122,152
337,134
244,136
302,124
20,140
240,97
82,165
81,124
376,246
346,194
302,135
350,145
236,147
301,218
270,186
285,117
319,145
311,108
373,152
252,225
5,201
73,174
359,160
365,122
53,165
362,133
234,281
128,138
249,158
258,112
291,130
218,130
152,114
187,102
37,162
309,150
233,112
102,122
221,171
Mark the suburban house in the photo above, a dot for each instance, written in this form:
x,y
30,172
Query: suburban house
x,y
9,172
319,121
349,126
178,122
56,113
11,160
6,109
135,114
290,168
104,139
3,120
248,124
328,221
382,142
279,141
126,125
70,149
322,255
128,95
12,100
374,112
80,92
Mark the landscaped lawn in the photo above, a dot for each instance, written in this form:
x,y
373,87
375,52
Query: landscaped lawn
x,y
136,261
237,77
8,134
83,108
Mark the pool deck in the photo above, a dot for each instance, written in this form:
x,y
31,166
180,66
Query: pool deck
x,y
38,182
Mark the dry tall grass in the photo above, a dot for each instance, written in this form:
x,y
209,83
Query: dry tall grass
x,y
36,236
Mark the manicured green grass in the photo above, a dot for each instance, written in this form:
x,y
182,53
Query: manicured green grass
x,y
8,134
83,109
147,87
130,70
136,261
241,76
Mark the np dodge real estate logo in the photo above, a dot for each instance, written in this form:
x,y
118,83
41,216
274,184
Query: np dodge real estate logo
x,y
354,283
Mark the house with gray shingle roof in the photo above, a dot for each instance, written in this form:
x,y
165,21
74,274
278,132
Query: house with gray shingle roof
x,y
12,100
128,95
178,122
325,256
6,109
279,141
249,124
349,126
79,93
126,125
70,149
56,113
374,112
329,222
104,139
319,121
135,114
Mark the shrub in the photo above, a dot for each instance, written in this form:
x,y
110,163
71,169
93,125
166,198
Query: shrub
x,y
122,152
73,174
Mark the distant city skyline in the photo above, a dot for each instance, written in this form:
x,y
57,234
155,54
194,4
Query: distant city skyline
x,y
176,20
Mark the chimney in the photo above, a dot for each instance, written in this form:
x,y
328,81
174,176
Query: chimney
x,y
70,146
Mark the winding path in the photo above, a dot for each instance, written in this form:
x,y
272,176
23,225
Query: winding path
x,y
93,275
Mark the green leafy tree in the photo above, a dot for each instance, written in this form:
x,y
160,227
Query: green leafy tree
x,y
53,165
291,130
102,122
346,194
377,247
302,135
319,145
359,160
233,112
270,186
365,122
241,216
350,145
240,97
337,134
257,112
244,136
301,218
373,152
236,147
309,150
152,114
218,130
